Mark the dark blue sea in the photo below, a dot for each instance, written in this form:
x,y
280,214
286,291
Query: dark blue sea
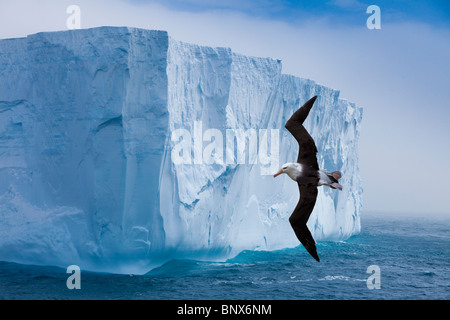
x,y
412,255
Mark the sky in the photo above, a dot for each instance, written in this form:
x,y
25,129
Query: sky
x,y
399,74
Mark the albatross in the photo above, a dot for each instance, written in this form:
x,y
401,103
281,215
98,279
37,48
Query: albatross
x,y
308,176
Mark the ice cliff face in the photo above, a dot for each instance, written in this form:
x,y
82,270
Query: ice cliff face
x,y
120,148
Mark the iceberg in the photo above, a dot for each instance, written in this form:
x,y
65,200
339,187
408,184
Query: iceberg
x,y
122,148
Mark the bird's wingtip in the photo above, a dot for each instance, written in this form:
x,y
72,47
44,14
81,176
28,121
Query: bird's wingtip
x,y
315,256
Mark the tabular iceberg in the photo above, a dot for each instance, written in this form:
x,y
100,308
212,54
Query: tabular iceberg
x,y
87,168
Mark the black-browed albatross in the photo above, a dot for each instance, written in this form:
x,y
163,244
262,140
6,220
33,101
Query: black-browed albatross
x,y
308,176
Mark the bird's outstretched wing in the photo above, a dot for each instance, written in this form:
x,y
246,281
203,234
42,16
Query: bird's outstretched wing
x,y
298,218
307,153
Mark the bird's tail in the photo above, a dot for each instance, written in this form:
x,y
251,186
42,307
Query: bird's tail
x,y
335,185
335,176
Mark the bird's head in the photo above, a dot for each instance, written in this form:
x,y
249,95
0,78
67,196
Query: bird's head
x,y
285,168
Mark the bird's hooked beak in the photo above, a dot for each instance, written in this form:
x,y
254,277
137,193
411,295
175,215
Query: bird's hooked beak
x,y
278,173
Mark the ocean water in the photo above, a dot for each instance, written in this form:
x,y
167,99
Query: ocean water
x,y
412,254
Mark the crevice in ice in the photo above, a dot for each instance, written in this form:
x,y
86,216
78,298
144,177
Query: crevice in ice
x,y
117,121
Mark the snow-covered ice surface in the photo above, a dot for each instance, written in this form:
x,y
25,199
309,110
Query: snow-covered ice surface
x,y
87,174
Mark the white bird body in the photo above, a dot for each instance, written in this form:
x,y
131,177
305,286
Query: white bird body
x,y
324,178
297,172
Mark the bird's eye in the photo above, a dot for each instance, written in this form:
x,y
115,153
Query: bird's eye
x,y
284,168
